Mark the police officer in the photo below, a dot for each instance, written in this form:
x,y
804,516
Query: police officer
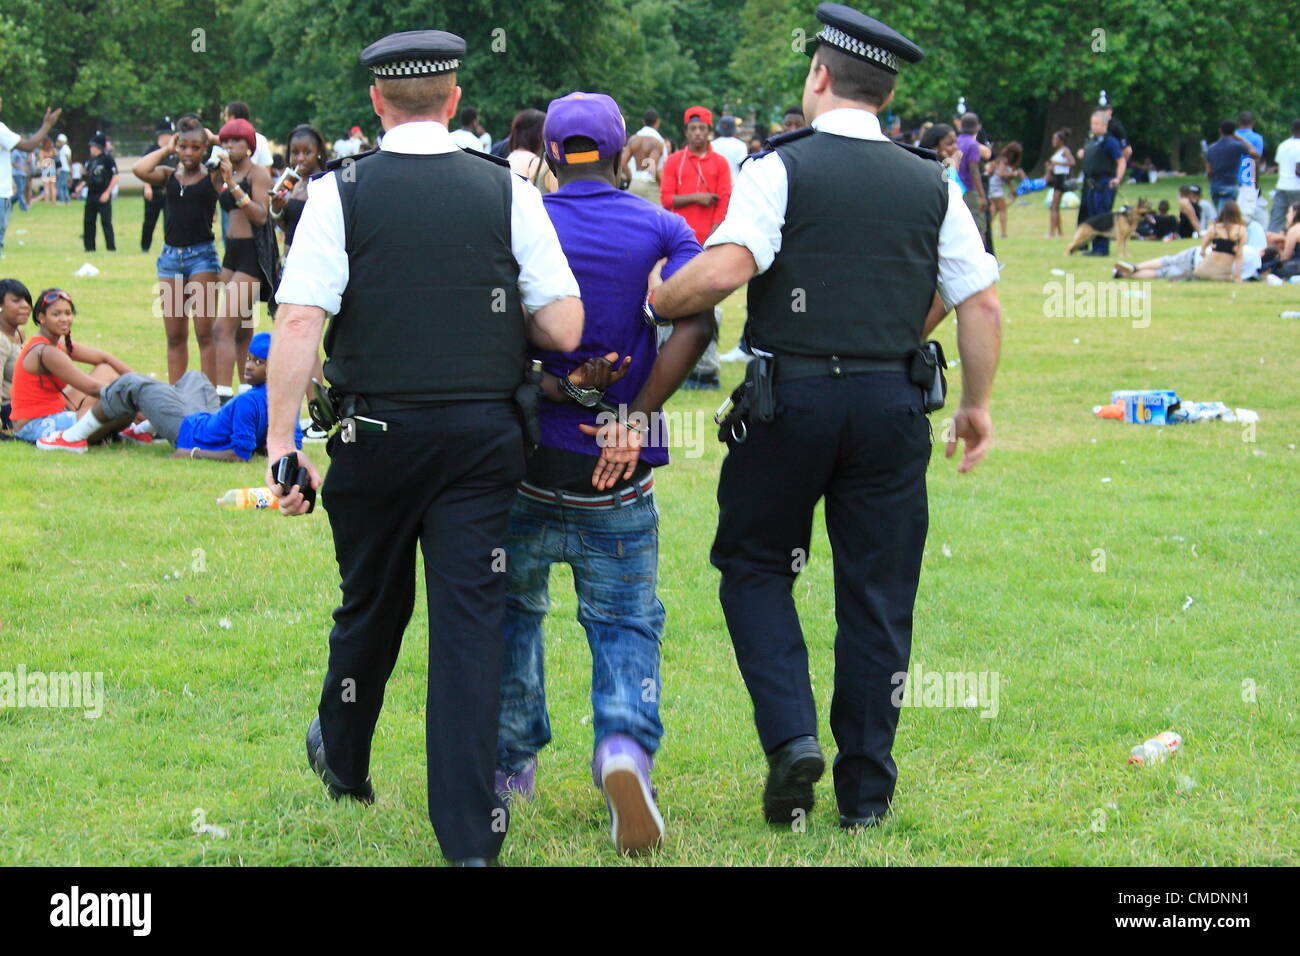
x,y
437,265
1102,162
155,200
844,238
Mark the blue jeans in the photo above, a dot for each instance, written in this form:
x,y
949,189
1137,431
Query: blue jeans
x,y
5,206
615,558
188,261
63,185
20,191
1221,194
45,427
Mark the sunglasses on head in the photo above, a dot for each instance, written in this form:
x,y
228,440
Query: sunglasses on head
x,y
54,295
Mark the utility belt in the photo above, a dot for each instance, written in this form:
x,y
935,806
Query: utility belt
x,y
1098,182
334,411
755,397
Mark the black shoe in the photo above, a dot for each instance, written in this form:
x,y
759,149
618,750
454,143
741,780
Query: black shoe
x,y
316,758
476,861
793,768
861,823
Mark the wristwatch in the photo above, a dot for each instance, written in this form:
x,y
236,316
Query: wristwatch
x,y
651,316
586,397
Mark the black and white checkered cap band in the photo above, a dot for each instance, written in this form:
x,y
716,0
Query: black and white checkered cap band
x,y
414,67
850,44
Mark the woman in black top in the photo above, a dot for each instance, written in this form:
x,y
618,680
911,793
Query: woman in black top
x,y
307,157
250,266
188,269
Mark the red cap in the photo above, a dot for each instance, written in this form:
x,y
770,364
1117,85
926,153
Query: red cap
x,y
355,131
701,114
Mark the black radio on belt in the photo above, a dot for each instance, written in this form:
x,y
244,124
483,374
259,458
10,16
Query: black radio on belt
x,y
926,373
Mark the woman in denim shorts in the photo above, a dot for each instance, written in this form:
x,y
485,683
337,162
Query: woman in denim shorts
x,y
188,269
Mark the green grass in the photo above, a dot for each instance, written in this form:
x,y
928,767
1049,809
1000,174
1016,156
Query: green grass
x,y
1090,663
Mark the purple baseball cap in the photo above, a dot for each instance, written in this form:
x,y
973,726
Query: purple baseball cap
x,y
593,115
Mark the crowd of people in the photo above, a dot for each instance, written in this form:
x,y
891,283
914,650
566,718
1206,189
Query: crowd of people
x,y
646,235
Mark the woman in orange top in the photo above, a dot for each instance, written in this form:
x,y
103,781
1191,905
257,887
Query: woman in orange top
x,y
48,388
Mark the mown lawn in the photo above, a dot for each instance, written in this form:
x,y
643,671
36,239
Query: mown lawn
x,y
210,627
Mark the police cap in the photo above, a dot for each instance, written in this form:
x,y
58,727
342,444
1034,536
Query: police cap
x,y
414,53
865,38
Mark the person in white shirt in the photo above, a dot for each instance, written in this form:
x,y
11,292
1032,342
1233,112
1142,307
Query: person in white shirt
x,y
1288,179
65,167
860,234
729,146
9,140
426,350
353,144
238,109
471,134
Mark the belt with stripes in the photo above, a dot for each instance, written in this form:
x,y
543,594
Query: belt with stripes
x,y
607,502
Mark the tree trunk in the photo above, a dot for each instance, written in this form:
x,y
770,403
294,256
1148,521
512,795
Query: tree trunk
x,y
1176,152
1067,109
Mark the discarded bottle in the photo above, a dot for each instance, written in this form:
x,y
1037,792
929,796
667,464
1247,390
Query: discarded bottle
x,y
1289,315
1157,749
1114,410
258,498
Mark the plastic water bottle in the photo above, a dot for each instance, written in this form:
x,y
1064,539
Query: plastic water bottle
x,y
1157,749
258,498
1289,315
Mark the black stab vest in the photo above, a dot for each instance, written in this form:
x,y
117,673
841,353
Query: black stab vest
x,y
431,311
859,255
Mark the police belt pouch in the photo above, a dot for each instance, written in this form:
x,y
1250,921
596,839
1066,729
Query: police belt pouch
x,y
925,370
526,397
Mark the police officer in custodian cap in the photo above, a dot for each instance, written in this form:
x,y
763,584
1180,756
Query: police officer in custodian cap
x,y
436,265
844,238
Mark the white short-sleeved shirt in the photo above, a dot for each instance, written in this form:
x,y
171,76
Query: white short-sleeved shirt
x,y
467,139
262,155
316,271
758,202
65,158
733,150
8,140
1288,161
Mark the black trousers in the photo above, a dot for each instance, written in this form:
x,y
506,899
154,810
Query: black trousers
x,y
441,479
105,212
153,208
862,442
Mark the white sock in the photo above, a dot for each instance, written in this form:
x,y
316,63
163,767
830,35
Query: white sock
x,y
145,428
82,430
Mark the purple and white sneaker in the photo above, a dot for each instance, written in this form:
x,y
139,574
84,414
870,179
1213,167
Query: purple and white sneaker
x,y
621,770
509,786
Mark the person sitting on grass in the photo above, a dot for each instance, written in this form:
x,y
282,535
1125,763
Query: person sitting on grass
x,y
188,414
15,310
49,392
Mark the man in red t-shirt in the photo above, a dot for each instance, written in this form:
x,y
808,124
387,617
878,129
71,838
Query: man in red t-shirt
x,y
696,184
696,181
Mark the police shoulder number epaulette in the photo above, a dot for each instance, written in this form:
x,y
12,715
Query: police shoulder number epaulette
x,y
918,151
338,162
488,156
780,139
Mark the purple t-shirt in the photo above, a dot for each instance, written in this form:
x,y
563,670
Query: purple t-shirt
x,y
612,240
970,153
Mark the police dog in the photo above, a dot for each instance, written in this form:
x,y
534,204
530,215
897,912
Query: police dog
x,y
1118,225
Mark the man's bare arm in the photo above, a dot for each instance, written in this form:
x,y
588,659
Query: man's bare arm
x,y
557,326
705,281
979,342
288,370
938,311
